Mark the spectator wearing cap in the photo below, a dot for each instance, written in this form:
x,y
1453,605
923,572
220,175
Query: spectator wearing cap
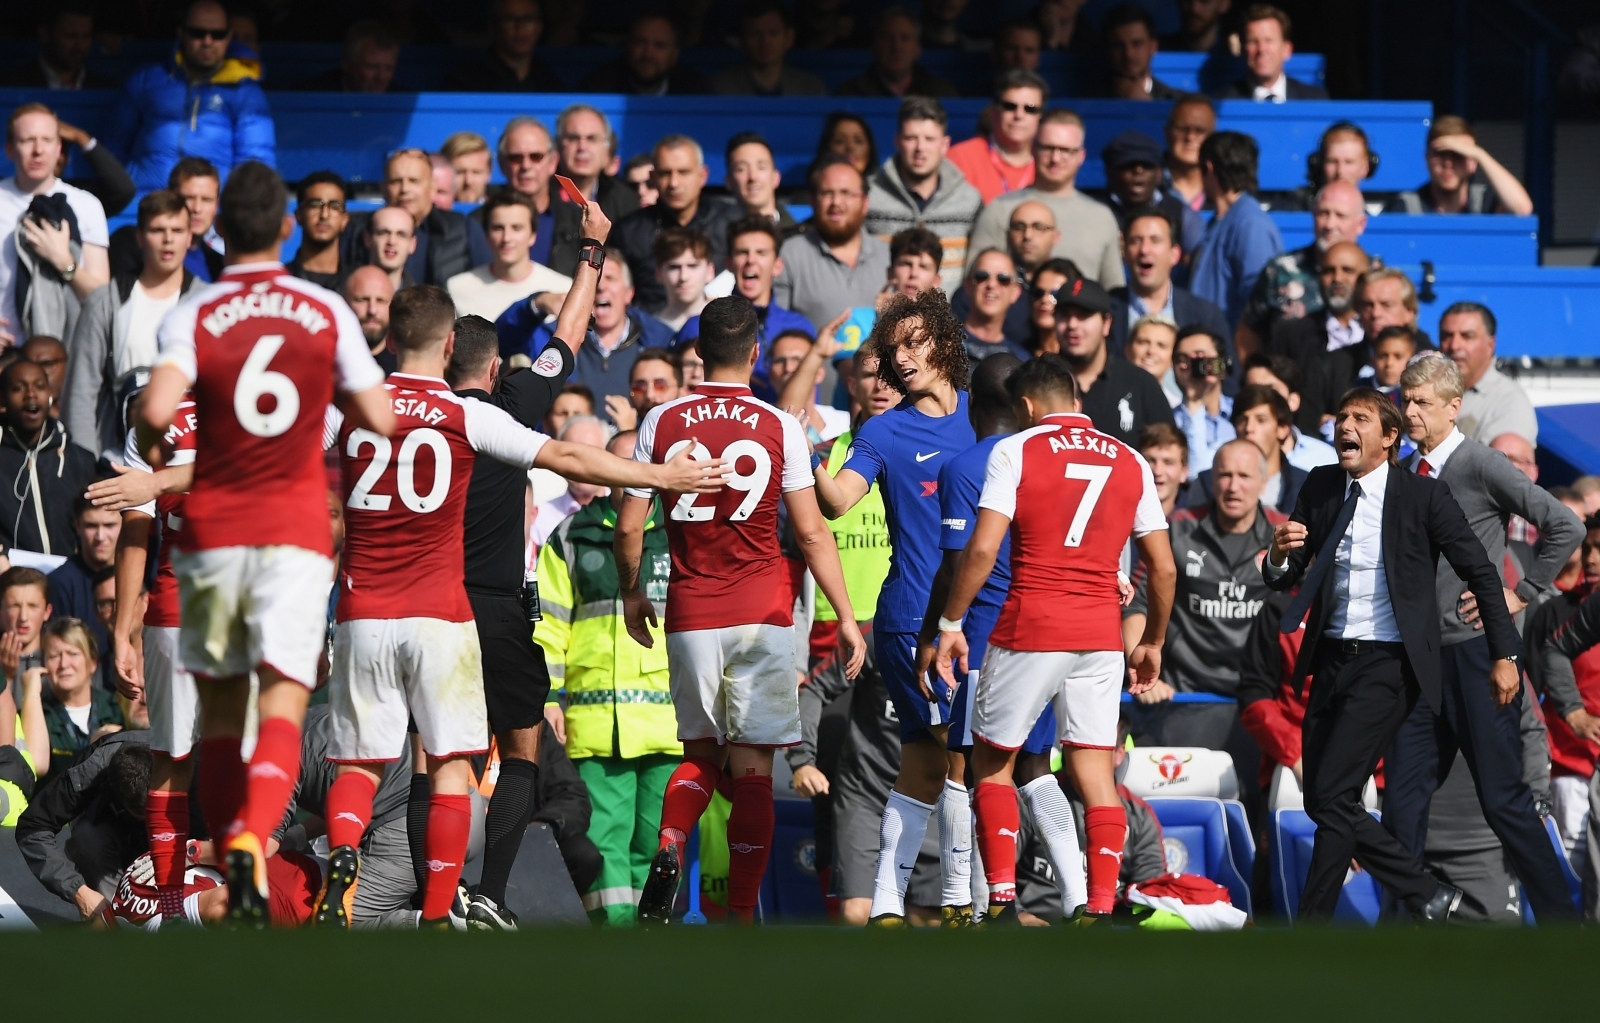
x,y
1151,253
895,71
1088,229
1133,162
1118,397
919,186
1268,44
1289,286
1204,414
511,65
1128,34
1493,403
1261,416
371,52
1001,160
1241,238
648,65
837,264
680,178
587,144
1462,177
766,35
1330,345
753,177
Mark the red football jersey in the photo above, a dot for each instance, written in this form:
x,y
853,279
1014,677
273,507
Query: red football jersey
x,y
1074,495
264,351
727,568
406,497
162,608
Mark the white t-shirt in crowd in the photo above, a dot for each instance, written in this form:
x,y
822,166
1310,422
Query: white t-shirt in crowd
x,y
14,203
477,292
80,716
136,330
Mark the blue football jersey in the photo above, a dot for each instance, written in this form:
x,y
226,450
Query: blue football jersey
x,y
960,485
902,451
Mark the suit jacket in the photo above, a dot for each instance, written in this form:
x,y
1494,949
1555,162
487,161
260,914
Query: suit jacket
x,y
1244,88
1421,520
1188,309
1327,374
1200,491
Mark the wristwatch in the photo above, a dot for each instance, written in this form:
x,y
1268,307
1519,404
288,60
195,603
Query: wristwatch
x,y
593,253
1510,657
70,272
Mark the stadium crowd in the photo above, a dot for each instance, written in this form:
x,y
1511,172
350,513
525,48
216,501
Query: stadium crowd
x,y
576,293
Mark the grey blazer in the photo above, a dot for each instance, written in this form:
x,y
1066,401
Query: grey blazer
x,y
1490,490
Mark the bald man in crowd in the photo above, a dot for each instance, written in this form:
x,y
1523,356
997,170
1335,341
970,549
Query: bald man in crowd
x,y
1329,344
369,290
1289,288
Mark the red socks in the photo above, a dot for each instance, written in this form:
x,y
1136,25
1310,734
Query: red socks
x,y
349,808
270,780
221,784
749,842
449,825
688,794
997,825
1107,828
166,816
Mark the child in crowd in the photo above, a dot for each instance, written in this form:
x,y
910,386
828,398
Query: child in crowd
x,y
1391,353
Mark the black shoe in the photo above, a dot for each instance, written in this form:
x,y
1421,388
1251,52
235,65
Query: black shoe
x,y
246,875
661,887
483,914
338,894
1438,910
1002,914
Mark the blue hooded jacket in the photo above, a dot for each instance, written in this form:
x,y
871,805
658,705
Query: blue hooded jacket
x,y
160,118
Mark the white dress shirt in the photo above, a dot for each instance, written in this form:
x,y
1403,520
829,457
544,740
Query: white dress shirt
x,y
1343,335
1361,607
1277,92
1439,455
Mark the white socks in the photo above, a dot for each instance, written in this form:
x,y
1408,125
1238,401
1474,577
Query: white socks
x,y
955,843
905,823
1052,815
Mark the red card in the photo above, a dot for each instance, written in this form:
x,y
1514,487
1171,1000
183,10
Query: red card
x,y
572,191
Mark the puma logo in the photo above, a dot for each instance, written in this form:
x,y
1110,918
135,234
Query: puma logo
x,y
346,815
1007,832
1114,855
267,769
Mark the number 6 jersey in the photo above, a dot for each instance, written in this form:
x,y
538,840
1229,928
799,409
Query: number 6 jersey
x,y
264,352
727,568
1074,495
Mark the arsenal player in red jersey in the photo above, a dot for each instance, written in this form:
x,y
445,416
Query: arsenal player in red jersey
x,y
405,644
1070,496
264,354
729,613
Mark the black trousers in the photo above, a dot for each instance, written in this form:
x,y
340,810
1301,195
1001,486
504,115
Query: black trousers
x,y
1490,740
1358,702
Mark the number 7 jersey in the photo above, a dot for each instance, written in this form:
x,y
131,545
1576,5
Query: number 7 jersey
x,y
727,567
1074,495
264,352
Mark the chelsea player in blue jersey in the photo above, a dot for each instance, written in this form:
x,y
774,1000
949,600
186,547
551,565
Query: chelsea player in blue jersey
x,y
923,358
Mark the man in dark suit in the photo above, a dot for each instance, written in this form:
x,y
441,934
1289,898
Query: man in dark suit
x,y
1151,251
1372,642
1486,732
1268,46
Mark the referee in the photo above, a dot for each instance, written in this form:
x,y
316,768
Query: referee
x,y
515,680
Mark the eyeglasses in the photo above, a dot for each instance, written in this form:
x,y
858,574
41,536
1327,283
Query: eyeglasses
x,y
1037,227
216,35
1036,293
980,276
1011,108
527,157
1068,151
315,206
659,386
1190,130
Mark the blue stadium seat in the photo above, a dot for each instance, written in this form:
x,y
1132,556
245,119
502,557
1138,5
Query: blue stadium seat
x,y
792,867
1403,239
1196,832
1241,842
1292,836
1544,311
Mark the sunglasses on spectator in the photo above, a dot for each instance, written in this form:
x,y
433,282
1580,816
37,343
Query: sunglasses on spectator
x,y
641,386
980,276
1036,293
528,157
1011,108
216,35
318,205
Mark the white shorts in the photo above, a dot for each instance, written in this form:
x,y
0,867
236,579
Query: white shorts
x,y
735,685
244,607
1015,686
387,669
169,695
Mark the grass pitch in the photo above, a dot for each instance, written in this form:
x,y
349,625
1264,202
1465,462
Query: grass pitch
x,y
807,974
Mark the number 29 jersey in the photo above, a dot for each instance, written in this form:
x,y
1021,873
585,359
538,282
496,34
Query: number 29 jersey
x,y
264,352
1074,495
727,567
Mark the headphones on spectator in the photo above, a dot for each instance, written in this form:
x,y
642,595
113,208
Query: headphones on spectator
x,y
1314,172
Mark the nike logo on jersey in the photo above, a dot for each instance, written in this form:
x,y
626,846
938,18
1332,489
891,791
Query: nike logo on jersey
x,y
1114,855
923,458
346,815
438,865
267,769
1007,833
930,487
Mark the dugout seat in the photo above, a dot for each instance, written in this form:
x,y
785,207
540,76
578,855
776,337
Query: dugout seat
x,y
1198,840
1292,837
1163,772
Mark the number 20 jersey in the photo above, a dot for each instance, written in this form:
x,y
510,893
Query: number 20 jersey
x,y
264,351
1074,495
727,567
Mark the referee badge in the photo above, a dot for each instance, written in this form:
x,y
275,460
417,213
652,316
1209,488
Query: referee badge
x,y
548,364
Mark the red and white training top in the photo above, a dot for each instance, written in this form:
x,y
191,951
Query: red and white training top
x,y
162,609
264,352
1074,495
727,568
405,499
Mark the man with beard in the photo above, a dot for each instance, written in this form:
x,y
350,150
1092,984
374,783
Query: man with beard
x,y
1329,345
369,291
1288,288
836,265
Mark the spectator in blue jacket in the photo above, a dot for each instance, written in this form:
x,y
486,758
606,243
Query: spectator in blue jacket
x,y
206,101
1241,238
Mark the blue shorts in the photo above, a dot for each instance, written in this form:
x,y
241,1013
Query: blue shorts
x,y
897,663
979,623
